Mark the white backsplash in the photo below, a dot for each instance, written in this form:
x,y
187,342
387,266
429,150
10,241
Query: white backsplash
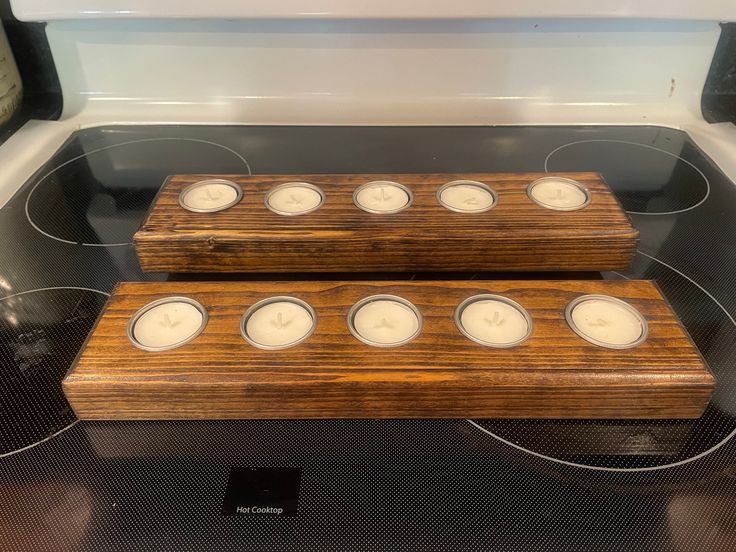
x,y
384,72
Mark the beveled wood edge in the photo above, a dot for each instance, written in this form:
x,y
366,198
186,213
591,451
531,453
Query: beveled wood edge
x,y
684,331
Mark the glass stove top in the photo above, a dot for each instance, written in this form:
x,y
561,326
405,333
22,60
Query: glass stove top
x,y
365,485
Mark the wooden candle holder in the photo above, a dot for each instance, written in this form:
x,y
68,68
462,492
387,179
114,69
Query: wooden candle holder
x,y
517,234
553,374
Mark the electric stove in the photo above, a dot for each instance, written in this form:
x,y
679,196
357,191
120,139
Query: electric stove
x,y
355,484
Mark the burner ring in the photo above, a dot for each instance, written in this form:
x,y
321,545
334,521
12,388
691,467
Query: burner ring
x,y
41,340
650,468
634,199
53,171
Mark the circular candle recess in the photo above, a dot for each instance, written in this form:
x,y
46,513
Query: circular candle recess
x,y
382,196
606,321
278,323
466,196
559,194
493,320
384,321
208,196
167,324
295,198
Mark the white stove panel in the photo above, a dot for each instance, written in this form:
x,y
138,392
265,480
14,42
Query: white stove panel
x,y
384,72
712,10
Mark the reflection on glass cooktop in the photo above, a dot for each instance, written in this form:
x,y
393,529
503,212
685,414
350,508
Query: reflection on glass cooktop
x,y
369,485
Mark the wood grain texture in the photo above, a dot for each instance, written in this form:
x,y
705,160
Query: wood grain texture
x,y
554,374
516,235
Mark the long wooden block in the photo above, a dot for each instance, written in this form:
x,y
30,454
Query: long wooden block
x,y
515,235
441,373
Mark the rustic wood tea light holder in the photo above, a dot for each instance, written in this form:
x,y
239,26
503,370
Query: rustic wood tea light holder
x,y
397,349
386,222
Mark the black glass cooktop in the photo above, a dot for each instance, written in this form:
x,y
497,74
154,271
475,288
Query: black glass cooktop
x,y
355,485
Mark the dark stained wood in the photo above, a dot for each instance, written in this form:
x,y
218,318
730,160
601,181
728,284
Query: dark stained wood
x,y
516,235
554,374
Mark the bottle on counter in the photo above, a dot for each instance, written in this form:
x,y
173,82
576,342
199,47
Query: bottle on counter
x,y
11,89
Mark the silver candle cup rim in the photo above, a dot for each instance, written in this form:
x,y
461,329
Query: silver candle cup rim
x,y
266,200
475,183
153,304
384,297
357,190
277,299
200,183
575,183
493,297
581,299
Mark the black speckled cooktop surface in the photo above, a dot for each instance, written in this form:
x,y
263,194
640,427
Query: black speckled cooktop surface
x,y
364,485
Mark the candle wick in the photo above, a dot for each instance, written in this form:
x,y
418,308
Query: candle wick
x,y
280,323
384,324
471,201
599,322
496,320
167,323
210,196
382,195
558,194
294,200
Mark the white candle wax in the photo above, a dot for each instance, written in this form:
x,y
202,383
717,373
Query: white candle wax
x,y
494,322
278,324
295,198
466,196
210,195
382,197
558,193
167,324
386,322
607,322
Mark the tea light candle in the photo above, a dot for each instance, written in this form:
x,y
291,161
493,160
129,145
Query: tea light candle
x,y
466,196
208,196
384,321
278,323
493,320
295,198
382,196
606,321
167,324
560,194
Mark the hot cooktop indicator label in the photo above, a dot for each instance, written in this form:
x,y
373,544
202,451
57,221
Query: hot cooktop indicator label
x,y
262,492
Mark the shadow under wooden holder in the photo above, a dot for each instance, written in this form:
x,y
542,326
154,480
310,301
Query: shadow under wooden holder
x,y
441,373
558,438
516,234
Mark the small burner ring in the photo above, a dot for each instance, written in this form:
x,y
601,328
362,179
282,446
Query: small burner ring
x,y
646,179
43,330
105,210
709,427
